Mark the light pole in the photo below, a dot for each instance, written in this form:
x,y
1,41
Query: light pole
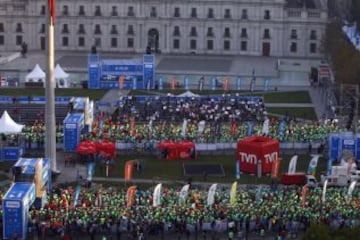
x,y
50,136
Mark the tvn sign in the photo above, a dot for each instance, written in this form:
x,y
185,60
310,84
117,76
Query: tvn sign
x,y
252,158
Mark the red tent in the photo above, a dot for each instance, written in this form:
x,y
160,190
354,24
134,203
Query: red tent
x,y
106,147
252,150
86,147
177,150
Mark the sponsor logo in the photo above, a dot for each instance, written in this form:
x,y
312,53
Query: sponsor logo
x,y
252,158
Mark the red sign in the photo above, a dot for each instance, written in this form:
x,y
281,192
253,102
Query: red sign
x,y
257,150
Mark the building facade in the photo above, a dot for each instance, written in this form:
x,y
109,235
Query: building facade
x,y
281,28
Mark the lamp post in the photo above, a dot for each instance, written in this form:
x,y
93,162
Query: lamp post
x,y
50,136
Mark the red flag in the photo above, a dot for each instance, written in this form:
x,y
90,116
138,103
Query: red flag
x,y
275,168
52,7
130,196
303,195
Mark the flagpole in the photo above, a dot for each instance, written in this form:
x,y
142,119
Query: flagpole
x,y
50,136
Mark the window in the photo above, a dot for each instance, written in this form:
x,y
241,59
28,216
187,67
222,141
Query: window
x,y
193,44
81,11
227,14
176,31
97,29
226,45
313,35
114,12
210,32
267,33
210,13
18,27
2,40
313,48
81,41
176,43
81,29
65,11
243,46
42,28
153,12
43,10
19,40
130,42
177,12
193,32
244,14
293,47
193,13
65,28
227,32
293,34
244,33
210,45
98,42
130,30
1,27
97,11
113,29
131,12
65,41
114,42
267,14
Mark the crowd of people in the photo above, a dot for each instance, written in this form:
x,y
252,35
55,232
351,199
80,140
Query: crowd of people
x,y
175,109
264,210
202,120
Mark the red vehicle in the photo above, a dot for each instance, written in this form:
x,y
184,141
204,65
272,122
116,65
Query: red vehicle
x,y
299,178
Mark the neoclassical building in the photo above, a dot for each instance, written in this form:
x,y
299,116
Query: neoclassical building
x,y
281,28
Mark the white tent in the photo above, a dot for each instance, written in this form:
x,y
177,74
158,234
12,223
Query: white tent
x,y
61,77
188,94
36,75
8,125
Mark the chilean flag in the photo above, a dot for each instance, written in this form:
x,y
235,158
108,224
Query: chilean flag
x,y
52,7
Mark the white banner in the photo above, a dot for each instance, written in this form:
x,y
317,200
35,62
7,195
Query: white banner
x,y
157,195
183,193
292,164
211,194
323,198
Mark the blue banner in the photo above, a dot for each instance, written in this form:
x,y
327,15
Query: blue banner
x,y
358,147
249,129
10,153
238,83
186,83
349,145
213,83
134,87
334,151
161,83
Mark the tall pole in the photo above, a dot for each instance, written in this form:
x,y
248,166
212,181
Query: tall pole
x,y
50,134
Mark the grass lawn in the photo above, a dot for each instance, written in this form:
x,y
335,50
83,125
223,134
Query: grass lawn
x,y
287,97
158,170
301,112
94,94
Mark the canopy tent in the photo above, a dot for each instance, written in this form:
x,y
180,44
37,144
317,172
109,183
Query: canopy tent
x,y
36,75
61,77
188,94
8,125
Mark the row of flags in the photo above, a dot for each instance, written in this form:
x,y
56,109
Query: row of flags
x,y
131,192
214,83
233,193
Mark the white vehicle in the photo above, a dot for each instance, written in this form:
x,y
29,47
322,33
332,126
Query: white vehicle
x,y
341,176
